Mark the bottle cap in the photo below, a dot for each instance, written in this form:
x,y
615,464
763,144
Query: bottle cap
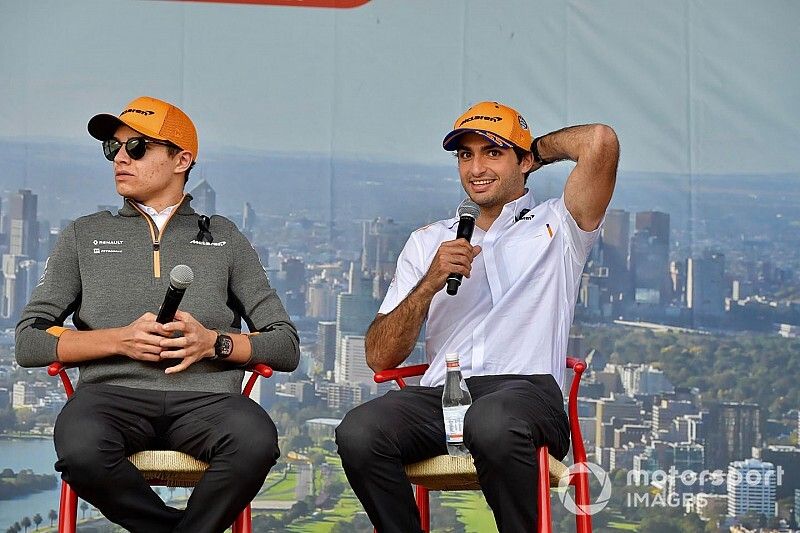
x,y
451,357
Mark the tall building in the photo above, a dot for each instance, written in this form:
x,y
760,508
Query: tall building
x,y
290,283
19,279
732,430
787,459
751,488
204,198
355,311
649,258
249,219
321,299
655,223
24,230
705,288
381,242
615,238
351,362
326,345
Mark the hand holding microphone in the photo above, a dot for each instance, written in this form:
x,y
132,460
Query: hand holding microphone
x,y
179,279
468,212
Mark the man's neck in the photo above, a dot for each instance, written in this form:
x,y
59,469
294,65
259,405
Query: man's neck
x,y
159,204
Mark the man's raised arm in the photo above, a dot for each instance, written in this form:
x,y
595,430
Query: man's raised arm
x,y
595,149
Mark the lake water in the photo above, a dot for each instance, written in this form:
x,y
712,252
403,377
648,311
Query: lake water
x,y
39,456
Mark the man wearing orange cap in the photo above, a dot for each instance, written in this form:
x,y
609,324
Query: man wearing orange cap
x,y
508,323
144,384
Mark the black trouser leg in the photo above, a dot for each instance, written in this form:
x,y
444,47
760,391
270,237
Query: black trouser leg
x,y
508,420
239,441
377,438
98,428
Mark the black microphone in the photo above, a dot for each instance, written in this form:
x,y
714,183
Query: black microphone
x,y
468,211
180,278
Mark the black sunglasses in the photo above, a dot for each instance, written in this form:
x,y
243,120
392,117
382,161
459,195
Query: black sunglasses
x,y
135,147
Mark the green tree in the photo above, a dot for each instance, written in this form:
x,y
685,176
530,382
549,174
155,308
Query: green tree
x,y
26,523
52,516
37,519
301,442
84,508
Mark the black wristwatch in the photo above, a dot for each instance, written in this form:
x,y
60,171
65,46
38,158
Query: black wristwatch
x,y
223,347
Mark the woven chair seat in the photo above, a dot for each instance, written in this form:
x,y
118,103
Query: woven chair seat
x,y
169,468
445,472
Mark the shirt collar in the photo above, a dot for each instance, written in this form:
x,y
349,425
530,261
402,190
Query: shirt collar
x,y
153,213
513,210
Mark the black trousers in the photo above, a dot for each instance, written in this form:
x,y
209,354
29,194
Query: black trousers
x,y
101,425
509,418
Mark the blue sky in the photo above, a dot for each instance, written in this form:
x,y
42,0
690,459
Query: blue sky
x,y
691,86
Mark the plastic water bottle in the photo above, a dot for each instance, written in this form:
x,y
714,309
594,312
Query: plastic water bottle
x,y
455,402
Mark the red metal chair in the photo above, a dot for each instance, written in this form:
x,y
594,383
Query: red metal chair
x,y
455,473
159,467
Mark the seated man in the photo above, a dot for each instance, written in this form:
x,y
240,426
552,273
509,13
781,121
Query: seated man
x,y
509,322
145,385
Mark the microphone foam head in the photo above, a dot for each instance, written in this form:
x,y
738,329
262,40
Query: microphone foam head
x,y
181,276
468,208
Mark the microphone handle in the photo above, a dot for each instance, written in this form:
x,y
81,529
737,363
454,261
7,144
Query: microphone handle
x,y
171,302
466,225
453,282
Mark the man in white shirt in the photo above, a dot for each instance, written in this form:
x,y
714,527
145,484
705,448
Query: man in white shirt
x,y
509,322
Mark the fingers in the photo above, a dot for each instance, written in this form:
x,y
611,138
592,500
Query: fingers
x,y
147,317
455,257
180,367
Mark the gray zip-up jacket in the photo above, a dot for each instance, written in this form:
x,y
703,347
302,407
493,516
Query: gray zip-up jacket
x,y
107,270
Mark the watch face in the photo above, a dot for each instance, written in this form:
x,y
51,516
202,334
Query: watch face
x,y
224,346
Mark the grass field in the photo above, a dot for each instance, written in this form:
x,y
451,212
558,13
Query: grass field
x,y
471,509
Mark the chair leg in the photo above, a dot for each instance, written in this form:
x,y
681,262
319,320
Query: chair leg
x,y
583,520
244,521
423,504
543,504
67,509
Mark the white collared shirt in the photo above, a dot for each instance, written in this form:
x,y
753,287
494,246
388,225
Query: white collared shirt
x,y
159,218
513,314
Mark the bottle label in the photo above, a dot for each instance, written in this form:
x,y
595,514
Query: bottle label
x,y
454,423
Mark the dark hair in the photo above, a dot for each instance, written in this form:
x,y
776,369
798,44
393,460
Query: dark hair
x,y
520,155
175,150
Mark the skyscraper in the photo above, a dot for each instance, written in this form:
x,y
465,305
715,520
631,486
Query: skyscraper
x,y
381,242
706,288
354,311
204,198
615,239
649,258
24,230
19,264
751,488
326,345
732,429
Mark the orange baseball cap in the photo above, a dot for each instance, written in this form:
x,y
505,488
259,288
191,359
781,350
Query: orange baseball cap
x,y
151,117
500,124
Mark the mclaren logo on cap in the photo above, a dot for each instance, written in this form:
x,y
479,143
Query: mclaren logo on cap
x,y
480,117
144,112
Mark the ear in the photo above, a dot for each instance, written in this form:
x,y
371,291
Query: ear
x,y
184,161
527,163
